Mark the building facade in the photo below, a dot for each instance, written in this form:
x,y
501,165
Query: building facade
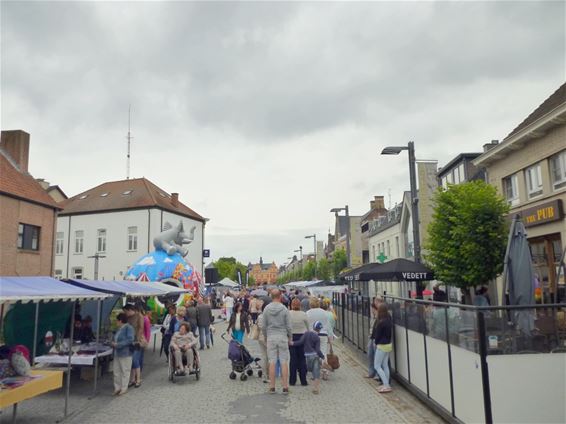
x,y
529,169
28,214
376,211
117,221
264,273
461,169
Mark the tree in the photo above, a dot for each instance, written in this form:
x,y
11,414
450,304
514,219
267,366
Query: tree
x,y
323,269
467,235
308,270
339,262
228,268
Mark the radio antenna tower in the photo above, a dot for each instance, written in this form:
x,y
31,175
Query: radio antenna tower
x,y
129,142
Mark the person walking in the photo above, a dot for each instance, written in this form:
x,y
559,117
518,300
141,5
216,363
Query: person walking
x,y
191,316
135,319
228,302
299,325
239,323
255,308
305,303
311,342
277,323
122,363
204,320
314,314
262,341
382,338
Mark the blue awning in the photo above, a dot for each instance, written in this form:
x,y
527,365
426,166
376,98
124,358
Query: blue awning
x,y
127,288
36,289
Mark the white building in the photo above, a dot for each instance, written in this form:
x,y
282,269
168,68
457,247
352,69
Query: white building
x,y
391,236
118,220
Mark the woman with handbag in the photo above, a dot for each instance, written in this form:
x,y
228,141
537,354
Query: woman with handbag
x,y
299,325
135,319
382,339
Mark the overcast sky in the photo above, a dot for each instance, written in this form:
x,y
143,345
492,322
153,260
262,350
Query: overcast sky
x,y
263,116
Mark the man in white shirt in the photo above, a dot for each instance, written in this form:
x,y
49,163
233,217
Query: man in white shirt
x,y
228,305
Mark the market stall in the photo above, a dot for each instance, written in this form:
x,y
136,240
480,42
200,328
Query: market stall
x,y
39,290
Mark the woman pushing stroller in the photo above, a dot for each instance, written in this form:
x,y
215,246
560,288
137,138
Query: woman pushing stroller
x,y
182,343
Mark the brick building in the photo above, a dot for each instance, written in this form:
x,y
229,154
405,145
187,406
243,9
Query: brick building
x,y
28,214
263,273
529,169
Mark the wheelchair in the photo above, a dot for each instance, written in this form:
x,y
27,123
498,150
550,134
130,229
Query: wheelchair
x,y
172,366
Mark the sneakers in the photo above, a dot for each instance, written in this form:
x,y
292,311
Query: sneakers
x,y
271,390
286,391
315,391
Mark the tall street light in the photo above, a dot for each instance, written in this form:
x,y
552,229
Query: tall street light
x,y
395,150
300,250
345,209
313,236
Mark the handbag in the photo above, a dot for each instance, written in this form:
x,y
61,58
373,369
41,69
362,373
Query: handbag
x,y
254,333
332,359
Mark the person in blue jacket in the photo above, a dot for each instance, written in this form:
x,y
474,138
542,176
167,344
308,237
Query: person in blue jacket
x,y
122,344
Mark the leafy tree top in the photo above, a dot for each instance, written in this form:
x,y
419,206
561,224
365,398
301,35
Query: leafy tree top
x,y
468,234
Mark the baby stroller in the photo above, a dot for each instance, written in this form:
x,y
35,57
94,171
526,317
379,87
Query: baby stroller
x,y
242,361
173,366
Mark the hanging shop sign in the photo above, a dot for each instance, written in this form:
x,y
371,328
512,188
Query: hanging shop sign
x,y
542,214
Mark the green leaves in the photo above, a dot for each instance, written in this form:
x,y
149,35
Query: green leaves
x,y
467,235
228,268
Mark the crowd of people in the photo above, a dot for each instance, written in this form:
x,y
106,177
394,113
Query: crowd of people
x,y
295,333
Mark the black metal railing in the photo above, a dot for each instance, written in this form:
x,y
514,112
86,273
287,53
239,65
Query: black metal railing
x,y
484,331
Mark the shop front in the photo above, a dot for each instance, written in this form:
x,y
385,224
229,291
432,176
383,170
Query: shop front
x,y
546,229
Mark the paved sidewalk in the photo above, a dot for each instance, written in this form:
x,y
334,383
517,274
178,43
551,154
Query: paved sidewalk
x,y
346,398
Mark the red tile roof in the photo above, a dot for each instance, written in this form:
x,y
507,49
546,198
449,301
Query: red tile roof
x,y
22,185
555,100
135,193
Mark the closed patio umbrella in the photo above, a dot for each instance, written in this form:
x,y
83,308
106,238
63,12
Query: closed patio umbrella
x,y
519,275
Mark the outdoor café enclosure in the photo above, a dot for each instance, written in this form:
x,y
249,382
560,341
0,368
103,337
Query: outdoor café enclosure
x,y
472,364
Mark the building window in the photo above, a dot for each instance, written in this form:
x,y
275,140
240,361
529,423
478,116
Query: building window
x,y
58,274
388,249
79,241
133,238
373,255
511,189
397,246
450,178
456,176
444,183
59,243
533,176
101,241
558,170
28,237
78,272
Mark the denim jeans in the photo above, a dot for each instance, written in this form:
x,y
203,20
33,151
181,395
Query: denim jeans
x,y
204,331
381,365
371,358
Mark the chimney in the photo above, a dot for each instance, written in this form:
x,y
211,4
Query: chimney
x,y
16,144
371,205
379,202
488,146
175,199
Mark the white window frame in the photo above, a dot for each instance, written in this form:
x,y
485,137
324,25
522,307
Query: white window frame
x,y
450,178
132,239
513,197
78,272
444,182
533,179
101,240
60,243
58,274
79,242
558,163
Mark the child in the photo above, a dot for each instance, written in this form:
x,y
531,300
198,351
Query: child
x,y
123,341
313,355
183,341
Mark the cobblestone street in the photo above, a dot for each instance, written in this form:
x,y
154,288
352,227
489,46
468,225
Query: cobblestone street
x,y
346,398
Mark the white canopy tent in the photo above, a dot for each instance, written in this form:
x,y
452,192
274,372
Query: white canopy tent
x,y
226,282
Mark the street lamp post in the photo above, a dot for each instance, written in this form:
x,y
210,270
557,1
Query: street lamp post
x,y
395,150
345,209
313,236
96,258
